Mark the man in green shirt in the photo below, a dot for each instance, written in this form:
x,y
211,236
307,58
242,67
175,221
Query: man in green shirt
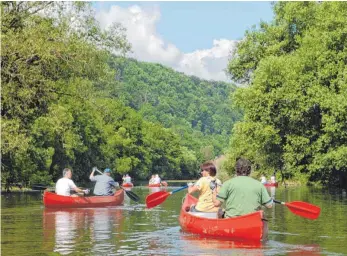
x,y
242,194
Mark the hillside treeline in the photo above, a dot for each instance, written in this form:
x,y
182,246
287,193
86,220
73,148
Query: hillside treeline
x,y
68,101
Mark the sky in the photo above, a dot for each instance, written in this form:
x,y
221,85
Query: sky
x,y
195,38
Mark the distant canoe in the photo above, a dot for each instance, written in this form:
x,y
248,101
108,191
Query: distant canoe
x,y
127,185
246,227
163,183
271,184
154,185
52,200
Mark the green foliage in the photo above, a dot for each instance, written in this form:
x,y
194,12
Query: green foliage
x,y
295,107
62,106
197,110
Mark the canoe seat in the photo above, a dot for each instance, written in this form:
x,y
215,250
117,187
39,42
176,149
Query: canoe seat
x,y
209,215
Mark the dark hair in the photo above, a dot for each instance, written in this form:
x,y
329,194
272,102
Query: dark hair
x,y
65,171
210,167
243,167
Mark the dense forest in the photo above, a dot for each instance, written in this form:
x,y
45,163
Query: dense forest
x,y
70,98
198,111
295,108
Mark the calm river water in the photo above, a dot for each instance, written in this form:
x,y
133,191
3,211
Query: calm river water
x,y
27,228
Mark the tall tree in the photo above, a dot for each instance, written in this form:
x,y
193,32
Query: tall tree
x,y
295,107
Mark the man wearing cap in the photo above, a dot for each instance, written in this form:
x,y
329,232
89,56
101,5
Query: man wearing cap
x,y
104,183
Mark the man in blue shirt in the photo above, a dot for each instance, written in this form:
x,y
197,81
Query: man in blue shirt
x,y
104,183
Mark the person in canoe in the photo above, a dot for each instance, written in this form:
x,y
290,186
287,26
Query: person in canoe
x,y
104,183
157,179
127,179
263,179
204,186
151,181
65,185
273,179
242,194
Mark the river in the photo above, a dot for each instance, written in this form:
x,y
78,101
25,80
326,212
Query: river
x,y
27,228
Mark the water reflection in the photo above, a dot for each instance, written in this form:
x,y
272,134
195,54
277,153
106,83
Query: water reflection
x,y
211,246
272,191
132,229
69,229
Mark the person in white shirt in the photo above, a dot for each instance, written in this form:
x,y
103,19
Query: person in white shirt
x,y
263,179
65,185
151,181
273,179
157,179
127,179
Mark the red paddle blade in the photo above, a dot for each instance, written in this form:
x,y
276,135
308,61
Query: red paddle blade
x,y
304,209
156,198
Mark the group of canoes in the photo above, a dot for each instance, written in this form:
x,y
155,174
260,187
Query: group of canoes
x,y
271,183
248,226
154,182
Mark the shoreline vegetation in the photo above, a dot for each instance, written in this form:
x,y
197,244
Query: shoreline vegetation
x,y
143,183
71,97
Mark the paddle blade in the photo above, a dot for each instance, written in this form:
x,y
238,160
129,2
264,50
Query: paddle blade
x,y
156,198
40,187
304,209
132,195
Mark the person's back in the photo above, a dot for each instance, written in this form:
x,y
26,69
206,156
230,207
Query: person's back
x,y
205,203
203,186
273,179
63,186
243,195
104,183
127,179
263,179
157,179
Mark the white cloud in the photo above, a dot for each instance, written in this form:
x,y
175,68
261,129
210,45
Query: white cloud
x,y
148,45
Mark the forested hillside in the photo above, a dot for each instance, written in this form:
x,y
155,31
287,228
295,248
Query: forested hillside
x,y
66,101
197,110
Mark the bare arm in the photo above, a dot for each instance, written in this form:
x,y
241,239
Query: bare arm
x,y
92,174
78,190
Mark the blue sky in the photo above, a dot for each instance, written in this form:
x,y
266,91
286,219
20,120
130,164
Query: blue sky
x,y
193,25
191,37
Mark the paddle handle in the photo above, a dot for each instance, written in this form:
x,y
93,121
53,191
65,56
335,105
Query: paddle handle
x,y
179,189
278,202
98,171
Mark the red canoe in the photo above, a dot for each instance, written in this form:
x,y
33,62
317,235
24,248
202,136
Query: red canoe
x,y
154,185
53,200
246,227
163,183
271,184
127,185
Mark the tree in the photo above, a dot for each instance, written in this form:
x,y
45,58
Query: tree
x,y
295,115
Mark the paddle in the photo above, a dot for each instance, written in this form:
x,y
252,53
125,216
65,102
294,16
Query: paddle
x,y
302,209
130,194
40,187
157,198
